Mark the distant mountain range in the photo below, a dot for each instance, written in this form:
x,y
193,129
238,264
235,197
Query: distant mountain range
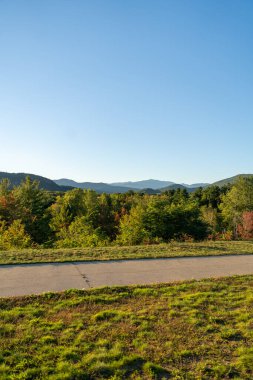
x,y
155,184
150,186
100,187
146,184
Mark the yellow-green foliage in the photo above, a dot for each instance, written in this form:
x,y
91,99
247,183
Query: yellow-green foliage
x,y
80,233
131,228
14,236
237,200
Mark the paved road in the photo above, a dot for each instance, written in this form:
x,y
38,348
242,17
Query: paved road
x,y
16,280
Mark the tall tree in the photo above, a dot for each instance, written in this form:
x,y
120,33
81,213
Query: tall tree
x,y
237,200
32,204
65,209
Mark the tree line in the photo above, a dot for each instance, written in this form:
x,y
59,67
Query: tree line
x,y
33,217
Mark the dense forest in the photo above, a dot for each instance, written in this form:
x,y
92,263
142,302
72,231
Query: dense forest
x,y
33,217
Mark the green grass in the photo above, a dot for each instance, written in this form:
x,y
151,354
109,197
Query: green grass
x,y
192,330
174,249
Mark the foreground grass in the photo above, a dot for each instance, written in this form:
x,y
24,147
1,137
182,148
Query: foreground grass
x,y
195,330
174,249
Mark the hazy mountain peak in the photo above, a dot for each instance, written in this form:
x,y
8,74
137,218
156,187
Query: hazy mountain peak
x,y
144,184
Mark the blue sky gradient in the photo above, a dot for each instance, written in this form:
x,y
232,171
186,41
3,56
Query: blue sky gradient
x,y
127,90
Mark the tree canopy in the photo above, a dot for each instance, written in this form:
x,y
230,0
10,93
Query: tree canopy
x,y
31,216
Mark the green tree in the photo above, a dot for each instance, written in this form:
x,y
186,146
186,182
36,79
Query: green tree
x,y
212,217
14,236
166,221
92,209
211,197
32,204
131,228
80,233
65,209
237,200
106,217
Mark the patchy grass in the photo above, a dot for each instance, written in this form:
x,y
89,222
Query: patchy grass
x,y
192,330
173,249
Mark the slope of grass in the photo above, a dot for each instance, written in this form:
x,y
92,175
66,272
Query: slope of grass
x,y
174,249
195,330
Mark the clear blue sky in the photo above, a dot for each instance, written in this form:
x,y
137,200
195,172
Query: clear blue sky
x,y
126,90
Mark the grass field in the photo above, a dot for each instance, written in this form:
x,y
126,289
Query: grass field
x,y
195,330
173,249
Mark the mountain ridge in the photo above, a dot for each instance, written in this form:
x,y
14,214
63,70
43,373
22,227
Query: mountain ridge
x,y
65,184
100,187
155,184
231,180
144,184
44,183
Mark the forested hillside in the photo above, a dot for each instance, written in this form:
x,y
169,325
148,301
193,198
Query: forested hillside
x,y
15,179
31,216
232,180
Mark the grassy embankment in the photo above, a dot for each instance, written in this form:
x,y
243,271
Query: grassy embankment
x,y
173,249
195,330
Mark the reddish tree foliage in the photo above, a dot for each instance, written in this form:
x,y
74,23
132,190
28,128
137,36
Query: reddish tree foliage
x,y
8,208
245,229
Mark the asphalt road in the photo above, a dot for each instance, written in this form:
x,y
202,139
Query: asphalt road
x,y
17,280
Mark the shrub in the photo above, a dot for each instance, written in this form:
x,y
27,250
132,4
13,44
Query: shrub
x,y
80,233
14,236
